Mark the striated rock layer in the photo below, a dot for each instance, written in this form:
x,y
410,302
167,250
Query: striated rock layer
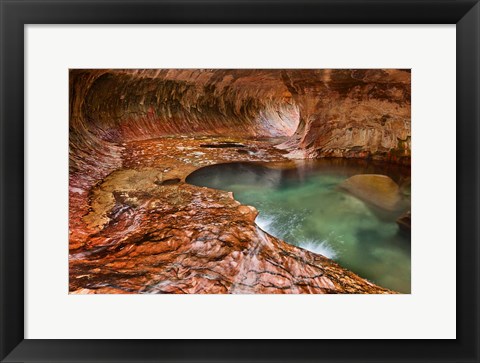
x,y
352,113
152,233
135,226
341,113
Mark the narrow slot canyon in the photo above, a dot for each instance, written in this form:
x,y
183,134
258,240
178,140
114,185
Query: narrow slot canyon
x,y
218,181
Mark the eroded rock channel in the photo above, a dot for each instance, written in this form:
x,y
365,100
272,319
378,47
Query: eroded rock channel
x,y
136,226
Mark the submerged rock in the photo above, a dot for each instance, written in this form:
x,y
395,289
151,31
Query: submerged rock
x,y
405,222
379,190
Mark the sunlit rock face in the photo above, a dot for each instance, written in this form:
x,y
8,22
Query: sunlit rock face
x,y
127,172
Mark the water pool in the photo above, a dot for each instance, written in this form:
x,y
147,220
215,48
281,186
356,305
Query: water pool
x,y
302,204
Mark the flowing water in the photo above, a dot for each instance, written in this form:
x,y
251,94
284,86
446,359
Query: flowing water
x,y
302,204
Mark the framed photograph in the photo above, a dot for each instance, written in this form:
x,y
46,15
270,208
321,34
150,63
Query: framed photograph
x,y
239,181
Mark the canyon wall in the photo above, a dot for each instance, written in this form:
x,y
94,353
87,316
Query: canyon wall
x,y
109,108
351,113
334,113
312,113
141,104
135,226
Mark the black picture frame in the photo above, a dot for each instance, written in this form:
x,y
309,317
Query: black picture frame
x,y
16,13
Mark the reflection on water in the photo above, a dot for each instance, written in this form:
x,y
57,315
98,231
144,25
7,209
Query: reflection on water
x,y
302,204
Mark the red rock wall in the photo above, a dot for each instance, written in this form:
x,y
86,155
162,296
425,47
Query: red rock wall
x,y
111,107
339,113
91,156
117,222
352,113
132,105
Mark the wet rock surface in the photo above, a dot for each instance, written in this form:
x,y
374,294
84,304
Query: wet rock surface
x,y
150,238
351,113
354,113
135,226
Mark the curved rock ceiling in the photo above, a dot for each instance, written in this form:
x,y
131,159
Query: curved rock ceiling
x,y
353,113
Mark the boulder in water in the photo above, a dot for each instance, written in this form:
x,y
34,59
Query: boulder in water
x,y
379,190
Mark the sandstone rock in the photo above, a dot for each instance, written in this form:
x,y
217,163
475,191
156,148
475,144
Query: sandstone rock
x,y
248,211
352,113
405,222
326,112
187,239
379,190
158,238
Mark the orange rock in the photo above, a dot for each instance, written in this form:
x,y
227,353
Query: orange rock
x,y
136,227
379,190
